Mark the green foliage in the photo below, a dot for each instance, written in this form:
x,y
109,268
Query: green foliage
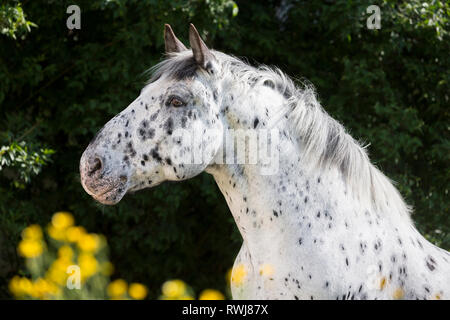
x,y
389,87
26,162
13,20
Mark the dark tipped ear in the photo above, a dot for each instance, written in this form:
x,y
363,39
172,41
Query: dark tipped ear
x,y
202,54
172,42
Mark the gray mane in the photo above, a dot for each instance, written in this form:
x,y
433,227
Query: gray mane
x,y
325,141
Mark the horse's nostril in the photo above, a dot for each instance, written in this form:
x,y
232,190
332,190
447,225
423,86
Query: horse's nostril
x,y
95,166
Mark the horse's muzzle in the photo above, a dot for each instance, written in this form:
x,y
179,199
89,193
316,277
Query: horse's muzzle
x,y
100,182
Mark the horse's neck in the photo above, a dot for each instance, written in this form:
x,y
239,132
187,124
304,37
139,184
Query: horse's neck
x,y
264,206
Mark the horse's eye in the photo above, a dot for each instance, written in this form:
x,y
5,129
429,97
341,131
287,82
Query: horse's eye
x,y
176,102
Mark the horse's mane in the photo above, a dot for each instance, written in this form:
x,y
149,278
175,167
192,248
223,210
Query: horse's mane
x,y
325,141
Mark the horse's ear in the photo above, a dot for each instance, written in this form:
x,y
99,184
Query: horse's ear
x,y
171,41
202,54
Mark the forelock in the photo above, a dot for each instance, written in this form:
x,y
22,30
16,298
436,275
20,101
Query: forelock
x,y
178,66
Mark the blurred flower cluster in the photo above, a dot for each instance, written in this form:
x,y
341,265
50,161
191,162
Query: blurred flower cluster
x,y
67,262
178,290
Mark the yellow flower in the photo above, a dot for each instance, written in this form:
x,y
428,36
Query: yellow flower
x,y
65,252
25,285
54,291
88,265
55,233
32,232
238,274
266,270
30,248
15,287
173,288
137,291
43,289
117,288
20,287
58,270
62,220
89,242
75,233
210,294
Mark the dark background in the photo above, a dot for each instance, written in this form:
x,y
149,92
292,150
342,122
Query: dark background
x,y
389,87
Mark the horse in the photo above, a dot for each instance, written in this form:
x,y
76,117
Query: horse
x,y
318,220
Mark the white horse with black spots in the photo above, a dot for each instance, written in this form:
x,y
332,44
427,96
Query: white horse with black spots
x,y
318,220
